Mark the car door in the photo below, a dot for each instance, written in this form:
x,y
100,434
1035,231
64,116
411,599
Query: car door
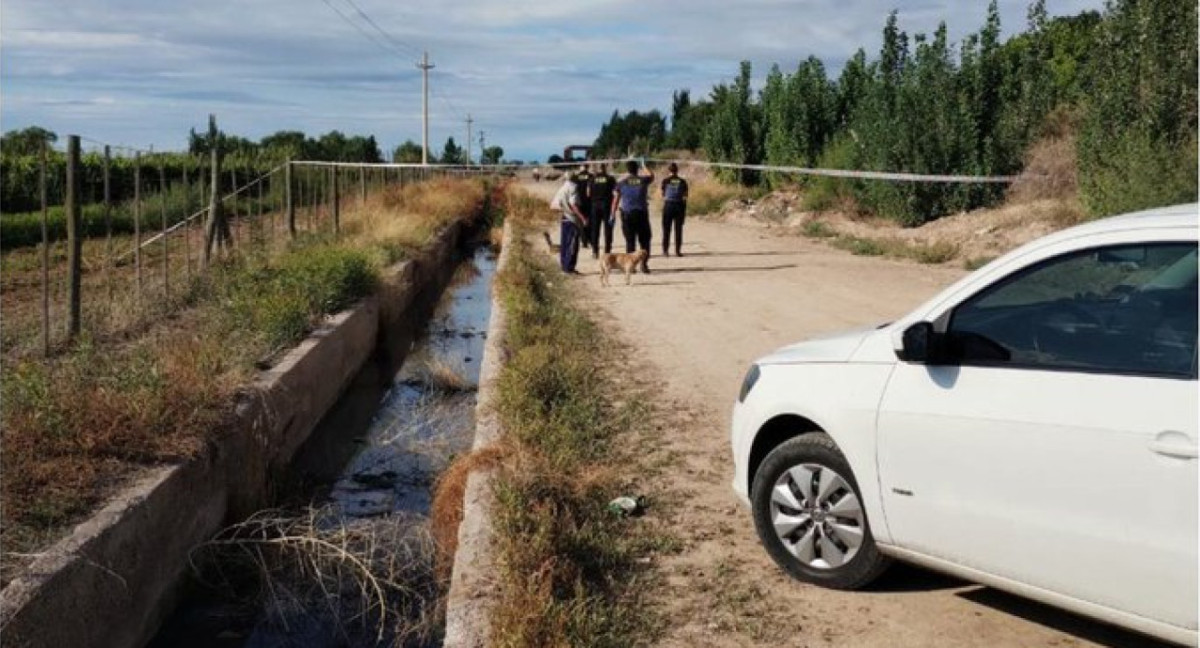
x,y
1055,445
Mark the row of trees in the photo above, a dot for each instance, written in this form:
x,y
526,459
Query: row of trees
x,y
20,152
1125,79
410,153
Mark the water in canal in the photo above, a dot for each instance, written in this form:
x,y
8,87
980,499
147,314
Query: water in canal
x,y
351,536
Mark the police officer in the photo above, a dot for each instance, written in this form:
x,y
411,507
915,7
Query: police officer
x,y
674,194
600,191
583,179
633,201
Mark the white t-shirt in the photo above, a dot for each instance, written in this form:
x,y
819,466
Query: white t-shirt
x,y
566,196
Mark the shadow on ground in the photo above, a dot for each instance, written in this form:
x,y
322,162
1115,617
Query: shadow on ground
x,y
724,268
1061,620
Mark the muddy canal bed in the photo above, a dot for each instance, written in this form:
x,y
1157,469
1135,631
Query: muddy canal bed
x,y
347,559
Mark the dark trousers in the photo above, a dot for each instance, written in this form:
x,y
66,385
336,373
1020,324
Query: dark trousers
x,y
568,250
601,219
635,225
585,238
672,217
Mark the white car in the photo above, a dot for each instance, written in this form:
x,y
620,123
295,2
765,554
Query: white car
x,y
1033,428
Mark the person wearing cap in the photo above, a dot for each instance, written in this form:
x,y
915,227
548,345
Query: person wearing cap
x,y
583,179
571,225
600,191
632,201
674,194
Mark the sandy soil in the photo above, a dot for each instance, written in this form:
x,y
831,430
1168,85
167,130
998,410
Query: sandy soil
x,y
692,327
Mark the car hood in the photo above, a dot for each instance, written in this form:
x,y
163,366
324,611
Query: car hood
x,y
838,347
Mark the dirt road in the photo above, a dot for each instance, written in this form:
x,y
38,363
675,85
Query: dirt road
x,y
692,328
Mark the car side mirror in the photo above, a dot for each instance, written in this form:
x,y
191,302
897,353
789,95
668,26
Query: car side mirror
x,y
920,343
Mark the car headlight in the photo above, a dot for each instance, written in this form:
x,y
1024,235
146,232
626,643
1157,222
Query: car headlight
x,y
748,382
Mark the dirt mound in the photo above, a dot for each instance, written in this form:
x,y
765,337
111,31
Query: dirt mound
x,y
971,236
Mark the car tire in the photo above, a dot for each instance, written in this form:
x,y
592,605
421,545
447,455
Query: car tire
x,y
809,515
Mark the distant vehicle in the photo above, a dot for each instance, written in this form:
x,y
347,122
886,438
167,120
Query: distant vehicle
x,y
1033,428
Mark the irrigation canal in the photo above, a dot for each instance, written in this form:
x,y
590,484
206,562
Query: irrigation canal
x,y
363,482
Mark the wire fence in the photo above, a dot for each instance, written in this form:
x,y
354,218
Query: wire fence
x,y
124,240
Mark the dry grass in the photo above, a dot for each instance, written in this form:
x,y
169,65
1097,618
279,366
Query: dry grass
x,y
1051,171
495,238
447,509
568,568
707,195
401,219
157,382
442,376
367,582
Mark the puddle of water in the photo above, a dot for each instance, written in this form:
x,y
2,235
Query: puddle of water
x,y
371,464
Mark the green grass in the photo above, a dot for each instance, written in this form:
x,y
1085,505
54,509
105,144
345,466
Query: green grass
x,y
72,422
818,229
927,253
567,565
76,425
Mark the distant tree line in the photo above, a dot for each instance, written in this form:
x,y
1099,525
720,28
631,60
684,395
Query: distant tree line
x,y
1123,80
410,153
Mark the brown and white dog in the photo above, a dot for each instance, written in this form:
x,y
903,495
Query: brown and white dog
x,y
625,261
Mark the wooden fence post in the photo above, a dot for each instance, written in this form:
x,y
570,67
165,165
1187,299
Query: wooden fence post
x,y
108,252
137,220
333,199
166,250
74,236
362,185
45,251
215,229
187,223
289,200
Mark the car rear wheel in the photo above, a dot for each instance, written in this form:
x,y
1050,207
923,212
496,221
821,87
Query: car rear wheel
x,y
809,515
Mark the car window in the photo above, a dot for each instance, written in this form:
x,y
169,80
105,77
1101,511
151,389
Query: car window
x,y
1124,309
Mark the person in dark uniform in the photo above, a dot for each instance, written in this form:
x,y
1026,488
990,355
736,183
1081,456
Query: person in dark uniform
x,y
633,201
674,194
600,191
583,179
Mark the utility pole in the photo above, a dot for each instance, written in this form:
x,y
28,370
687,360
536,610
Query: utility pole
x,y
481,149
425,66
469,122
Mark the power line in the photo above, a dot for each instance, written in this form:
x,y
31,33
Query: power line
x,y
379,29
370,37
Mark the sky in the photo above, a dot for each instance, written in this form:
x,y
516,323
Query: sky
x,y
534,75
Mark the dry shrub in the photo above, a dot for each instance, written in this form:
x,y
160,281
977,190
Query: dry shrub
x,y
496,238
447,378
447,509
707,195
1051,171
350,582
402,219
526,209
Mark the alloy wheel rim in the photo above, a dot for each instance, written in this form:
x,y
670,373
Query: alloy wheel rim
x,y
817,516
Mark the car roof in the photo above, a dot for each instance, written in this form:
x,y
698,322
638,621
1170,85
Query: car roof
x,y
1157,218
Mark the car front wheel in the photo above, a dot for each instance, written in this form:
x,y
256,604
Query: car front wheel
x,y
809,515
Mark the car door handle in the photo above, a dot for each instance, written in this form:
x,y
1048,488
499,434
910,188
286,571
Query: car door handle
x,y
1174,444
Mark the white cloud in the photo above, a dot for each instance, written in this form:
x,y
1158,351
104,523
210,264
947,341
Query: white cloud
x,y
531,72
